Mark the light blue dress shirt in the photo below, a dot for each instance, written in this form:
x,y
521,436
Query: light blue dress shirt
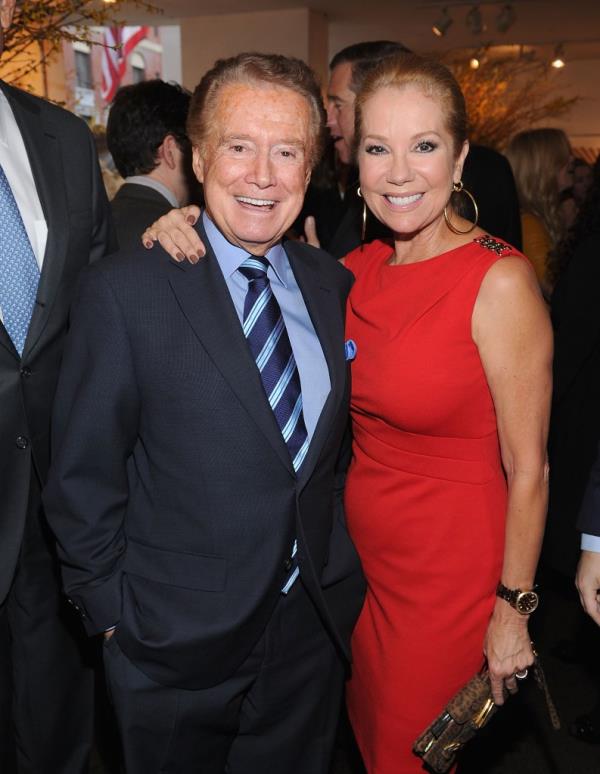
x,y
590,543
312,366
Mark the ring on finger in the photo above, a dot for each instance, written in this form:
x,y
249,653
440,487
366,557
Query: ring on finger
x,y
522,674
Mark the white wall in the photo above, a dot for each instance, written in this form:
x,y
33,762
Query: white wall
x,y
300,32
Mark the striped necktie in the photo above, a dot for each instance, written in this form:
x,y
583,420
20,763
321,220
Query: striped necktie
x,y
19,272
269,343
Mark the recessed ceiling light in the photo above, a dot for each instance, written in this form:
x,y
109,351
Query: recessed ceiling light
x,y
440,27
506,18
474,20
558,60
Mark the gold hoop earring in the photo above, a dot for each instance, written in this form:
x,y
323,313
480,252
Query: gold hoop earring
x,y
459,188
363,231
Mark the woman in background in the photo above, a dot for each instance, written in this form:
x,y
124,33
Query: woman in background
x,y
541,163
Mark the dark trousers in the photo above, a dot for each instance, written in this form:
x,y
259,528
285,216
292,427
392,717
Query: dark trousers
x,y
277,714
46,686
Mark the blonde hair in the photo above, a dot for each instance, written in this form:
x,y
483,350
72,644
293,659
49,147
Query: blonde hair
x,y
431,77
255,69
536,156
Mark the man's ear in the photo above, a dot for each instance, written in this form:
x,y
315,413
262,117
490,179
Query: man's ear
x,y
307,177
198,163
168,151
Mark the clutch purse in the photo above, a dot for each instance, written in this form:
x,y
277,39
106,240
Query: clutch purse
x,y
466,713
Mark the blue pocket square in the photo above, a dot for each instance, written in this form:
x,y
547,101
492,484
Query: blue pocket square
x,y
350,349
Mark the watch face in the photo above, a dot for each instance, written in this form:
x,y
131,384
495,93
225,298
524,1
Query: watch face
x,y
527,601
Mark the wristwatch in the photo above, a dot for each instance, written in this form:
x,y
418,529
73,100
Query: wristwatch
x,y
524,602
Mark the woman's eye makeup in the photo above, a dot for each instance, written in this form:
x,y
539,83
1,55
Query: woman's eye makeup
x,y
375,149
425,146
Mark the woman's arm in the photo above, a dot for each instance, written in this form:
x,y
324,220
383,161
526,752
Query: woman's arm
x,y
512,331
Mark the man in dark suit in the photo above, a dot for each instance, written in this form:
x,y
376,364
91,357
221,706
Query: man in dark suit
x,y
199,436
54,219
146,137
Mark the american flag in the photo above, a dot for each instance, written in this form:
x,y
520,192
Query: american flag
x,y
119,42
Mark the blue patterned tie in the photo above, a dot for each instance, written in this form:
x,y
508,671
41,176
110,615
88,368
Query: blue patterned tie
x,y
269,342
19,272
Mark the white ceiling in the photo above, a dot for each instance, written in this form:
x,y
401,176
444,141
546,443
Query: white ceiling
x,y
573,22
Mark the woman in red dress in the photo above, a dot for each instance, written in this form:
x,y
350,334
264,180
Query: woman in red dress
x,y
446,493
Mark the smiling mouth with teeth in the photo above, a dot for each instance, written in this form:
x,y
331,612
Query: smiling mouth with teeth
x,y
402,201
267,204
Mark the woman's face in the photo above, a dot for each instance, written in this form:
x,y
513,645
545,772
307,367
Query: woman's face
x,y
407,159
564,176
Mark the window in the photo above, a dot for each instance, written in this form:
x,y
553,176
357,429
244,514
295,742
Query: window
x,y
83,70
138,67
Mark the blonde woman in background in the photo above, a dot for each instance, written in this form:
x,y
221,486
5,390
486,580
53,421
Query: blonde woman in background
x,y
541,162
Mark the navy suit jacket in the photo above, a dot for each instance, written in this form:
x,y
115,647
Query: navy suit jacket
x,y
172,493
134,208
65,170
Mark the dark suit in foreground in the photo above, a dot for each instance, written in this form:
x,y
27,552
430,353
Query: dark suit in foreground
x,y
45,690
175,505
134,208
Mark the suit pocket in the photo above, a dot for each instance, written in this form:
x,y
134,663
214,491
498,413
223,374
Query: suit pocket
x,y
199,572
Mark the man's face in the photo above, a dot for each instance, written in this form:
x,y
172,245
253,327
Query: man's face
x,y
6,13
256,163
340,111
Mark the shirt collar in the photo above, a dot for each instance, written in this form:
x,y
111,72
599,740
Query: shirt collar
x,y
230,257
150,182
4,108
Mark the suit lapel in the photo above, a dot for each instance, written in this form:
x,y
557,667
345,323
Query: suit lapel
x,y
322,304
47,168
204,298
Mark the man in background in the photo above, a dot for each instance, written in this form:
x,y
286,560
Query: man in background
x,y
146,137
486,174
54,219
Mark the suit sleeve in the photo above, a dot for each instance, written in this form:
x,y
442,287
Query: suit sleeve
x,y
104,239
588,520
95,425
342,579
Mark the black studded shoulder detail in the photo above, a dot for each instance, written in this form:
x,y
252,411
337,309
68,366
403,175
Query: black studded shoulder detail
x,y
500,248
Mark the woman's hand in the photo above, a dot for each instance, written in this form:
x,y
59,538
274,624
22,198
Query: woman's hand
x,y
507,648
176,233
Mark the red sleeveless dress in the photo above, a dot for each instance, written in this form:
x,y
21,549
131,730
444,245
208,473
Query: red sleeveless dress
x,y
425,495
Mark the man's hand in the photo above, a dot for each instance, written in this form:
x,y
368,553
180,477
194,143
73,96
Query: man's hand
x,y
108,634
588,583
176,234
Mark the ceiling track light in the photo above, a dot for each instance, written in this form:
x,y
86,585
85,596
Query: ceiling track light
x,y
474,20
441,26
558,60
506,18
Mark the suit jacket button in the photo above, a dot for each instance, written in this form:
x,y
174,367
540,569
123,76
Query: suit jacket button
x,y
25,371
22,442
288,564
